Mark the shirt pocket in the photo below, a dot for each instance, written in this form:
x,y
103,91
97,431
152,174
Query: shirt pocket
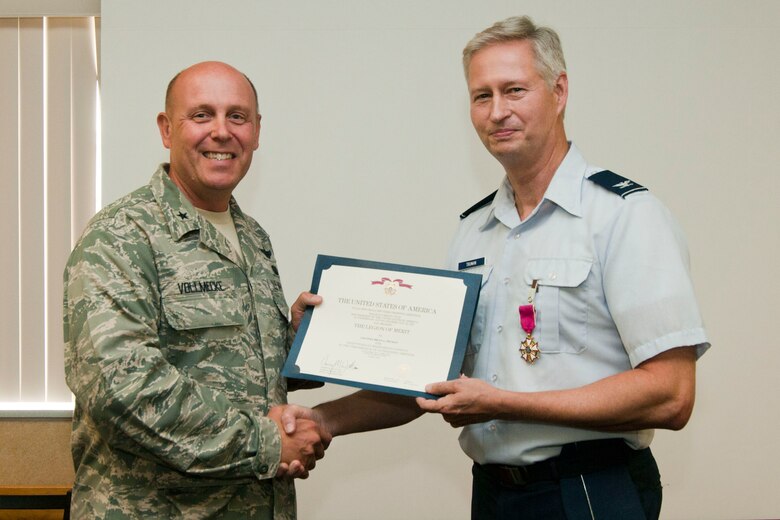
x,y
203,310
561,303
205,325
206,339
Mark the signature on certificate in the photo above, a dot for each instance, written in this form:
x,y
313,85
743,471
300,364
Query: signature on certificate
x,y
336,365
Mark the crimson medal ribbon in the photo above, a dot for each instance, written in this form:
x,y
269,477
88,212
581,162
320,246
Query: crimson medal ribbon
x,y
529,348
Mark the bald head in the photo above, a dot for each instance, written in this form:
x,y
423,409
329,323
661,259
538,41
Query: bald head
x,y
205,67
211,127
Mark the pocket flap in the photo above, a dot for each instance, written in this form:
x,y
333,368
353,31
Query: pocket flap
x,y
557,272
203,310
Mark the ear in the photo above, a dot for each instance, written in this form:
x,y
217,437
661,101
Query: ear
x,y
164,124
257,133
561,91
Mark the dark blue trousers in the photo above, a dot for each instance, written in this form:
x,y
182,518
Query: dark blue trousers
x,y
627,491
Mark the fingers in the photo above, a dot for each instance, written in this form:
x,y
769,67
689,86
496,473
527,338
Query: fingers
x,y
428,405
289,417
309,433
319,450
293,470
305,299
297,470
443,387
292,413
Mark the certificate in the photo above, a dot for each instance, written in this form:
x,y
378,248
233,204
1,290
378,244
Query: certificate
x,y
386,327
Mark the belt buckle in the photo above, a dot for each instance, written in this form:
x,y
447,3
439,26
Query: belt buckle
x,y
517,475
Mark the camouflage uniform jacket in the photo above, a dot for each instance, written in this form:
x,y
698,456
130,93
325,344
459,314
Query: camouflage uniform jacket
x,y
174,346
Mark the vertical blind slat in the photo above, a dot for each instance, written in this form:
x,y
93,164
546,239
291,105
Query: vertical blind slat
x,y
59,42
31,211
9,209
84,117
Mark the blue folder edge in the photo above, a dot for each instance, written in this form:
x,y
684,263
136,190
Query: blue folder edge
x,y
471,281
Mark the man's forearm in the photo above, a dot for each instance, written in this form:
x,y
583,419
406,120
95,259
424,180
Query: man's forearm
x,y
657,394
366,411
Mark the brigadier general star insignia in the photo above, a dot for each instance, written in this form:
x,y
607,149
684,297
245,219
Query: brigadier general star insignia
x,y
182,215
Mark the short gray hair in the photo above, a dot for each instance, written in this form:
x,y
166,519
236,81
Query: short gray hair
x,y
546,44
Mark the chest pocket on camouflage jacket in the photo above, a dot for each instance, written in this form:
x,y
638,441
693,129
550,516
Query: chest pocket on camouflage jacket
x,y
206,337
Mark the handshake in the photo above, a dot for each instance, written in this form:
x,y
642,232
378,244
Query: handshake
x,y
307,432
304,436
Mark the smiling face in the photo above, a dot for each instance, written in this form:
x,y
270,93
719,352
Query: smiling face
x,y
212,128
518,117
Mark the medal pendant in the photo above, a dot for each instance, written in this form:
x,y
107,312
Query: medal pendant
x,y
529,349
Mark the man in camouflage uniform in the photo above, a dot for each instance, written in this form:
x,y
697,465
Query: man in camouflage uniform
x,y
176,330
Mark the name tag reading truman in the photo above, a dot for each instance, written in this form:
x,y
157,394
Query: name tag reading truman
x,y
386,327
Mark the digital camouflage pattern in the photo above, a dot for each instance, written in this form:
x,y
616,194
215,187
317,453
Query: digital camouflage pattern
x,y
174,347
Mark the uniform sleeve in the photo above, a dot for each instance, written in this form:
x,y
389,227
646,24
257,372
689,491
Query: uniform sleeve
x,y
647,281
138,401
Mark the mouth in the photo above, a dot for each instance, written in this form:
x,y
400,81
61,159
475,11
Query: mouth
x,y
219,156
502,133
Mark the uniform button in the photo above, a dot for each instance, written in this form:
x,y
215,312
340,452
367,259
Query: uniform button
x,y
553,276
517,236
494,377
506,281
499,328
263,468
492,427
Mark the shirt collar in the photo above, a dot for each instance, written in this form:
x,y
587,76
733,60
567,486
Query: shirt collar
x,y
565,190
180,215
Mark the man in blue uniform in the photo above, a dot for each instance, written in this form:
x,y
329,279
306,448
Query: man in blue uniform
x,y
587,330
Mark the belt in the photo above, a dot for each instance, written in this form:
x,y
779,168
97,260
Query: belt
x,y
577,458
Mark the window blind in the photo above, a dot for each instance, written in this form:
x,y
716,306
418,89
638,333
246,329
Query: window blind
x,y
49,165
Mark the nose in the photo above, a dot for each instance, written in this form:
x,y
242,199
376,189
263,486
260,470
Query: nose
x,y
219,130
499,109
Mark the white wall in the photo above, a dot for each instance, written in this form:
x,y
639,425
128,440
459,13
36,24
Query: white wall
x,y
367,151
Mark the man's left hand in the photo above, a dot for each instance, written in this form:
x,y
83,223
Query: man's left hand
x,y
464,401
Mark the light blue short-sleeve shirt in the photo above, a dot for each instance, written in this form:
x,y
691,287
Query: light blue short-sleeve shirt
x,y
614,290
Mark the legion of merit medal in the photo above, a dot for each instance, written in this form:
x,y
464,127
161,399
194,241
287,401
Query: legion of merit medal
x,y
529,348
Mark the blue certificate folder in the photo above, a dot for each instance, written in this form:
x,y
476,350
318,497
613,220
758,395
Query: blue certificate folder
x,y
472,284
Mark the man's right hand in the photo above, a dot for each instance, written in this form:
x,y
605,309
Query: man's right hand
x,y
293,413
302,445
